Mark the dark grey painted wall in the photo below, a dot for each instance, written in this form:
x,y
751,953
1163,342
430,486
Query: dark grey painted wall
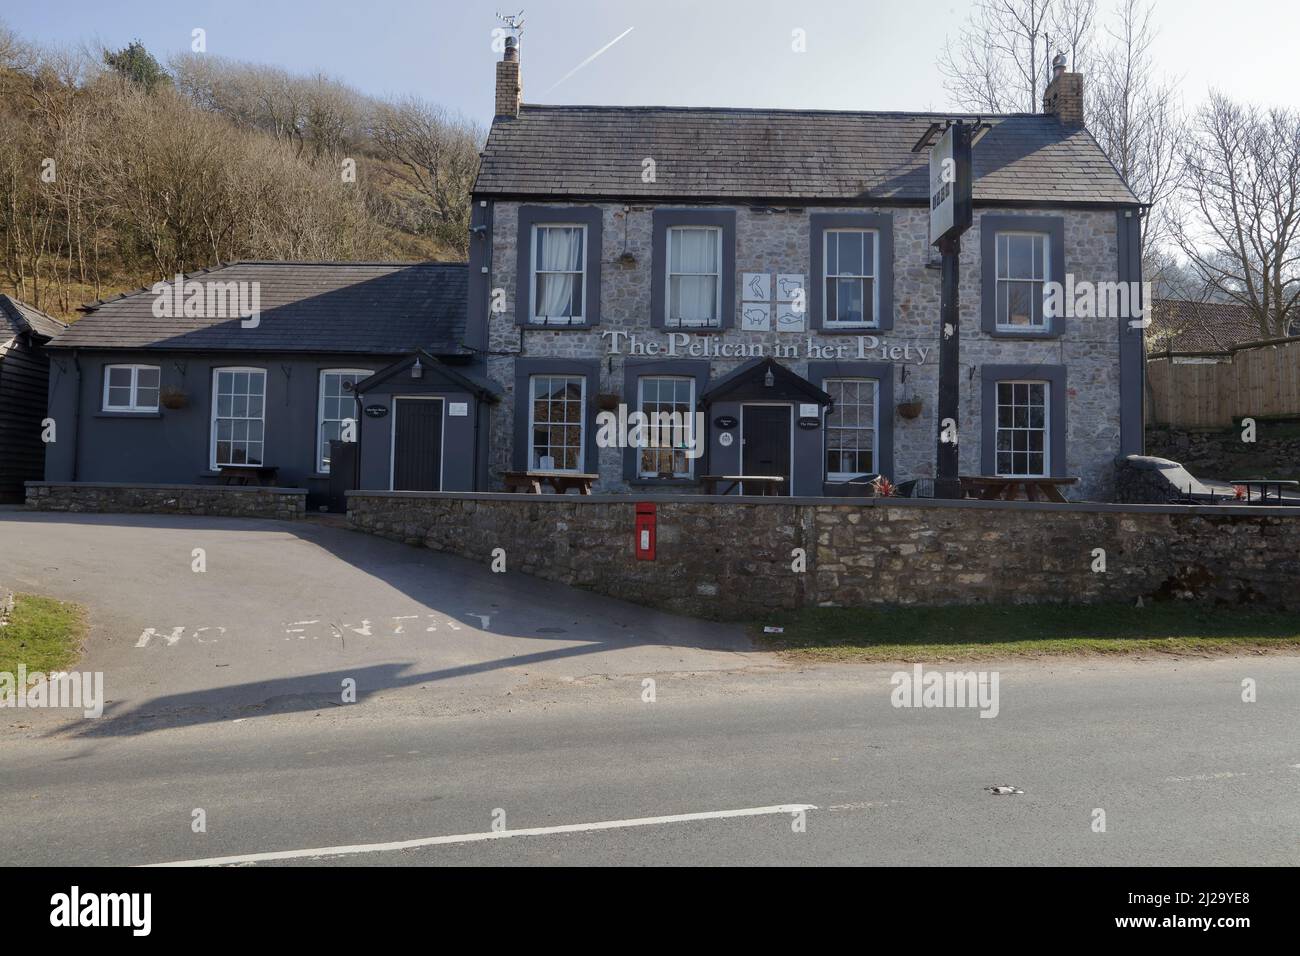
x,y
1132,351
463,435
172,445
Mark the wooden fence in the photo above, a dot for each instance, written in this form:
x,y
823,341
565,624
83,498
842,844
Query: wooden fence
x,y
1257,380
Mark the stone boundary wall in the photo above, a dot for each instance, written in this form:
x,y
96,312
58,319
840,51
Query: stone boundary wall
x,y
1221,454
731,557
233,501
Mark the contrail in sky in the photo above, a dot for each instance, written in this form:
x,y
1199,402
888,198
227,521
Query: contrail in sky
x,y
589,59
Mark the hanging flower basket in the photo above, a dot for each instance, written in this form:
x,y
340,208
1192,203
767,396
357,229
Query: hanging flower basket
x,y
173,397
910,408
607,401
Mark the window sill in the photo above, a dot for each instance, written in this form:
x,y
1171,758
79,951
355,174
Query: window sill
x,y
120,414
700,329
557,326
847,329
1016,334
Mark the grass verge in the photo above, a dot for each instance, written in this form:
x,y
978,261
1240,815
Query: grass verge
x,y
984,631
42,633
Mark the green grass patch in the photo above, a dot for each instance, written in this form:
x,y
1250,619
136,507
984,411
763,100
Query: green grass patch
x,y
42,633
983,631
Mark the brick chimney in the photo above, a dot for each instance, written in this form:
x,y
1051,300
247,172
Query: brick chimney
x,y
510,90
1063,96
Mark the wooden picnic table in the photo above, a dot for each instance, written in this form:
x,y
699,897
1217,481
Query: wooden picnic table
x,y
1263,484
762,484
248,474
530,482
993,487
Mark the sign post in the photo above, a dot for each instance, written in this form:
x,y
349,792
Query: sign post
x,y
950,216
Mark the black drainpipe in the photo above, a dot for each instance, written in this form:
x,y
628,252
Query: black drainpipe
x,y
76,418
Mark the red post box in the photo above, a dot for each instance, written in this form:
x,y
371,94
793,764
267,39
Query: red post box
x,y
645,531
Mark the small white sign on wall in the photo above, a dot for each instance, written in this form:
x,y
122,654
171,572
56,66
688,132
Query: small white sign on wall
x,y
756,287
791,303
458,409
809,410
755,317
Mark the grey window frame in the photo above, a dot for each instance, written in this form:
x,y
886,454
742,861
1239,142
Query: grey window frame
x,y
1057,409
883,373
990,226
590,217
525,369
661,221
633,371
880,223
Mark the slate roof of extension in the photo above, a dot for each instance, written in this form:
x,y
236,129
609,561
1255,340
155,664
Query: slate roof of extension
x,y
1183,325
781,155
20,317
358,307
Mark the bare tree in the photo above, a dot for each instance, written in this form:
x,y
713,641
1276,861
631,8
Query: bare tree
x,y
1000,59
436,155
1239,226
1136,117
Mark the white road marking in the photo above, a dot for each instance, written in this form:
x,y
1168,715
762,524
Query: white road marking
x,y
484,620
150,632
491,835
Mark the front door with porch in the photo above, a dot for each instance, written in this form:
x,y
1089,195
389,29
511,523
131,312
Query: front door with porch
x,y
765,441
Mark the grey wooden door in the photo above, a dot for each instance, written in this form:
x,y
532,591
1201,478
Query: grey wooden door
x,y
766,435
417,444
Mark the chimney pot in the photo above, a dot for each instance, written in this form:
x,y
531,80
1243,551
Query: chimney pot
x,y
509,89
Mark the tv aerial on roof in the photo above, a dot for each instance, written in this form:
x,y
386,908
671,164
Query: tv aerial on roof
x,y
515,21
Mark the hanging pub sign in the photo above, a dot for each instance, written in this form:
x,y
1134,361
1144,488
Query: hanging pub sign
x,y
950,183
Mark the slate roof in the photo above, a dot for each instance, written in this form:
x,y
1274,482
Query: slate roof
x,y
784,155
357,307
1181,325
21,317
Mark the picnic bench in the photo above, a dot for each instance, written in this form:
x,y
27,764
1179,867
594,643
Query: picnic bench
x,y
1006,488
530,482
760,484
248,474
1263,484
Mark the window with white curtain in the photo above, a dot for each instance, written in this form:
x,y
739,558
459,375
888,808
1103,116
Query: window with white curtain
x,y
557,422
850,263
131,388
1021,441
851,429
559,274
337,404
1022,270
238,416
694,277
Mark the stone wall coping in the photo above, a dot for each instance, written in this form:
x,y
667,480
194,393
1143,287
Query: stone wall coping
x,y
129,486
1223,511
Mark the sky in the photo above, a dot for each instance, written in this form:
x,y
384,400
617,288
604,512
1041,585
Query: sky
x,y
860,54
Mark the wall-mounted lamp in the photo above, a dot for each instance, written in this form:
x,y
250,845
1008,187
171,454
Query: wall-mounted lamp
x,y
417,370
769,379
